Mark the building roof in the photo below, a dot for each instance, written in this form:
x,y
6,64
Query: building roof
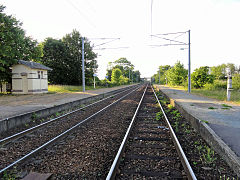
x,y
33,65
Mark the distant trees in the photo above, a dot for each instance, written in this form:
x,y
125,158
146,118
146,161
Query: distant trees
x,y
219,72
116,75
126,68
64,56
15,45
177,74
201,76
163,77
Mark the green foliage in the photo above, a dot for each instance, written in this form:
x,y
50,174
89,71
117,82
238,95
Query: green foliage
x,y
219,72
200,77
208,155
15,45
216,85
176,75
226,106
211,107
106,82
116,76
163,70
65,58
127,69
170,106
159,115
34,116
236,81
176,126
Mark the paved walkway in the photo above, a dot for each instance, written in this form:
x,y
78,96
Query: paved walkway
x,y
224,121
12,105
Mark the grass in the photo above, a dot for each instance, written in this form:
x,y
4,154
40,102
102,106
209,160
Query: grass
x,y
219,94
68,89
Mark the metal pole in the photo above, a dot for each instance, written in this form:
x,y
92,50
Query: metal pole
x,y
83,73
129,76
132,76
189,63
159,75
229,84
94,86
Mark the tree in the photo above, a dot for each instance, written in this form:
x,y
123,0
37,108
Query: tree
x,y
177,74
15,45
123,64
163,70
116,76
57,57
236,81
201,76
74,43
219,71
65,58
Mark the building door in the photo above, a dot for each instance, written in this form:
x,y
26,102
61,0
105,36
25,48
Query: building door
x,y
25,84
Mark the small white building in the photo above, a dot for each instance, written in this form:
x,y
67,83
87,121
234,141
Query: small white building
x,y
29,78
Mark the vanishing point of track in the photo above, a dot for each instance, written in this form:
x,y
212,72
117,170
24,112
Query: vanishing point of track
x,y
23,145
150,148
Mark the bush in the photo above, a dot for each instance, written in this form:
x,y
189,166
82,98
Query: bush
x,y
124,80
236,81
200,77
218,84
106,82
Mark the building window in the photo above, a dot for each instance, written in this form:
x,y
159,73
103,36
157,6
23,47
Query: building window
x,y
39,75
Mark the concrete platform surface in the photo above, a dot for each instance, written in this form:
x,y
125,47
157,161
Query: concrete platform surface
x,y
224,121
13,105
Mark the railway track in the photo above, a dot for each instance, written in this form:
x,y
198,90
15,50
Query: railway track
x,y
150,149
23,145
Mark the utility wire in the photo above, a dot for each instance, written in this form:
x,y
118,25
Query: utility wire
x,y
112,48
78,10
107,42
167,45
170,33
170,40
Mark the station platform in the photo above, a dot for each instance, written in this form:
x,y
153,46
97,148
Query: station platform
x,y
223,120
13,105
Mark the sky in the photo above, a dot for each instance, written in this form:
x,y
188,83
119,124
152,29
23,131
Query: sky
x,y
214,26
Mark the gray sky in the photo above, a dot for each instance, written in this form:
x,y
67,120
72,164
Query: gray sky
x,y
214,26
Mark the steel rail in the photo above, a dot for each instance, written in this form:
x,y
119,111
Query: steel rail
x,y
62,134
26,131
112,172
180,151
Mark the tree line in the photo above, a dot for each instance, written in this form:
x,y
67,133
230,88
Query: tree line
x,y
62,55
203,77
121,71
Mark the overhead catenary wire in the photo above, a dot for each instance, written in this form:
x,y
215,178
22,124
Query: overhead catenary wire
x,y
106,42
183,43
112,48
78,10
170,33
158,45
